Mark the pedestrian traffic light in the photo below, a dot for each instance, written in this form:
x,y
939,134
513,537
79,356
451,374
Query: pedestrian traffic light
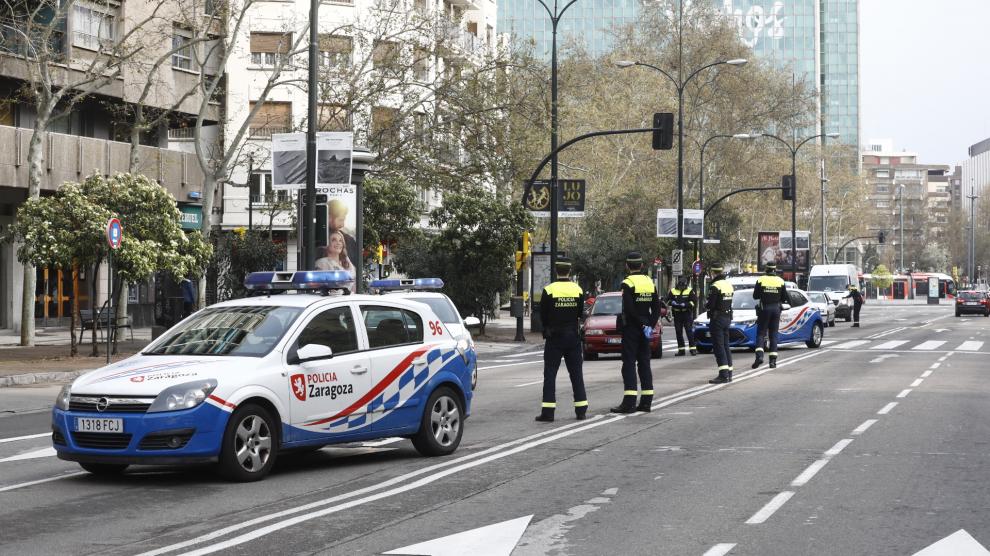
x,y
520,260
663,131
525,242
881,237
787,188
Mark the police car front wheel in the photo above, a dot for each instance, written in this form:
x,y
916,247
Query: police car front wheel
x,y
442,425
249,444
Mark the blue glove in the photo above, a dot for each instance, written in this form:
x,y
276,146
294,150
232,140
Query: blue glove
x,y
648,332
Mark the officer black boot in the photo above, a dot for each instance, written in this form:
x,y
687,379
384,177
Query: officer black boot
x,y
680,352
773,361
759,359
722,377
581,412
628,404
728,375
546,415
645,403
693,351
855,325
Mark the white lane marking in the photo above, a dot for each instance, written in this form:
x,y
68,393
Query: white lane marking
x,y
28,437
809,472
42,453
970,346
526,354
904,393
852,344
881,358
889,345
887,332
772,506
828,342
40,481
944,357
839,446
528,384
917,383
929,345
720,549
430,479
959,543
497,539
935,365
507,365
384,442
927,373
886,409
866,425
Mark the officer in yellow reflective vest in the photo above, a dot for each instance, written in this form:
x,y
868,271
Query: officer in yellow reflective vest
x,y
769,293
680,299
561,311
719,306
640,313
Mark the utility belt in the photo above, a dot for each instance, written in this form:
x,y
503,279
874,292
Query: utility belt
x,y
561,329
721,313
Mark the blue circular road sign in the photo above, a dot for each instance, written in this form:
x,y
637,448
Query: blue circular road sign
x,y
697,267
115,233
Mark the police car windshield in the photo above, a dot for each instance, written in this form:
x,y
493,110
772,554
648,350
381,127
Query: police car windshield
x,y
743,300
817,297
232,331
828,283
607,306
441,307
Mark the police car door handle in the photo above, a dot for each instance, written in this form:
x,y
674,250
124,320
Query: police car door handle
x,y
359,370
420,361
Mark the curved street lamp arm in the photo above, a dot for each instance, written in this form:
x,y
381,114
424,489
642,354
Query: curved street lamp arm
x,y
843,246
665,74
737,191
699,70
786,144
564,9
799,145
549,13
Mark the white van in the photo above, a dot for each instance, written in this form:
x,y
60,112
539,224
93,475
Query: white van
x,y
835,280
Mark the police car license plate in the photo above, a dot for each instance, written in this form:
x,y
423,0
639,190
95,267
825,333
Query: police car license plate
x,y
99,424
613,340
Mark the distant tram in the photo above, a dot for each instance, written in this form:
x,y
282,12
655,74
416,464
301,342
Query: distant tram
x,y
915,285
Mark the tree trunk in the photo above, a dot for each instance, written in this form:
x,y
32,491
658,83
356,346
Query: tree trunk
x,y
74,309
135,158
209,184
36,155
121,317
94,307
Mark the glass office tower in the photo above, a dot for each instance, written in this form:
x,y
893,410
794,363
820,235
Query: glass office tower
x,y
816,39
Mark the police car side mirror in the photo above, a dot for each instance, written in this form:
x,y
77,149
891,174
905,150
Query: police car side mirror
x,y
310,352
472,322
785,306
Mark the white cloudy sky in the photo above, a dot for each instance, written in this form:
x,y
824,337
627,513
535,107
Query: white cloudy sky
x,y
925,71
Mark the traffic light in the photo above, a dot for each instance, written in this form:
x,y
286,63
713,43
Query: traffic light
x,y
526,242
520,260
663,131
881,237
787,188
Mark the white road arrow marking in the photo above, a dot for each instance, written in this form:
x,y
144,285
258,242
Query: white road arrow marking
x,y
42,453
941,330
498,539
959,543
882,357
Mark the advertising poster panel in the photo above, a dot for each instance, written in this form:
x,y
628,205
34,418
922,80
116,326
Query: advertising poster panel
x,y
666,222
338,249
694,223
776,247
288,161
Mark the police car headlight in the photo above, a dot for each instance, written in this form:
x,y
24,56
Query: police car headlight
x,y
62,401
594,332
183,396
463,347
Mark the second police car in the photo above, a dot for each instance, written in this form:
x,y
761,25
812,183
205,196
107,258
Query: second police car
x,y
240,381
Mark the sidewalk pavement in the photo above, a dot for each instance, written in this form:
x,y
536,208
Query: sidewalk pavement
x,y
49,361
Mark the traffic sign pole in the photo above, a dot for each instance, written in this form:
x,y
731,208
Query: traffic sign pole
x,y
115,234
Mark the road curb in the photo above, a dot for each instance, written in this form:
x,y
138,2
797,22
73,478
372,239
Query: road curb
x,y
40,378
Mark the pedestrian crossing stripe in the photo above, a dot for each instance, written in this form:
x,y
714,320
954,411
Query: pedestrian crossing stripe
x,y
970,346
928,345
890,345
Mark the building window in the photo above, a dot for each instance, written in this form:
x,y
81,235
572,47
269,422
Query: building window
x,y
268,49
260,187
883,173
271,117
384,125
883,188
93,25
881,204
335,51
421,65
182,57
385,55
334,117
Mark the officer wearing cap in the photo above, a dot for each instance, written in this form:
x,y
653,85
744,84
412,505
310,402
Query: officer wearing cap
x,y
640,313
561,313
769,293
719,307
680,299
857,297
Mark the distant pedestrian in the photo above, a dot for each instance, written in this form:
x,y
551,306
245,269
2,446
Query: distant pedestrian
x,y
857,297
188,297
640,313
770,292
680,299
561,311
719,306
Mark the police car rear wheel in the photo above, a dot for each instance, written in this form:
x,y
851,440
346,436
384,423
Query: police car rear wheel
x,y
249,444
104,469
441,428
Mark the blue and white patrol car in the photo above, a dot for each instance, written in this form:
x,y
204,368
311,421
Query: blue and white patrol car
x,y
240,381
800,321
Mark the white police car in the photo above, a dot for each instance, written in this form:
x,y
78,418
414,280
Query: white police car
x,y
423,290
242,380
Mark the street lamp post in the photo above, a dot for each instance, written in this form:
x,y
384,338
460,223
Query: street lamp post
x,y
794,148
681,84
701,177
972,235
900,202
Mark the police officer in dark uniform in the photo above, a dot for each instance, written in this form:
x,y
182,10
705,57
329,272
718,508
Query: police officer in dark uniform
x,y
719,306
857,297
769,292
640,313
680,299
561,311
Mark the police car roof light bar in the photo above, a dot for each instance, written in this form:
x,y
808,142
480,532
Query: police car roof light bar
x,y
414,284
304,280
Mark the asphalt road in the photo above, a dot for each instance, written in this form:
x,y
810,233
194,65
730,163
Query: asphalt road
x,y
878,443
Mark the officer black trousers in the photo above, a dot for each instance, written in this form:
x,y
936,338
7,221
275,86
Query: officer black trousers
x,y
683,323
768,325
635,354
856,308
566,344
719,327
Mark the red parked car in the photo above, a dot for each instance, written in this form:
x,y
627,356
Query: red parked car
x,y
601,333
